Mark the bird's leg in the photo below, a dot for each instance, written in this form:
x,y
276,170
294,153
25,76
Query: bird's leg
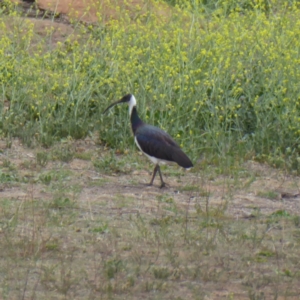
x,y
157,168
154,173
162,182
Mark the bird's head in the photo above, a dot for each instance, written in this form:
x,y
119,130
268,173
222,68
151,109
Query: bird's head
x,y
129,98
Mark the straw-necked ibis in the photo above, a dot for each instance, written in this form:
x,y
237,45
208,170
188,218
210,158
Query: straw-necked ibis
x,y
155,143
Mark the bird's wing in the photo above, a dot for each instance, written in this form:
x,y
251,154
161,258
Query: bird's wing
x,y
157,143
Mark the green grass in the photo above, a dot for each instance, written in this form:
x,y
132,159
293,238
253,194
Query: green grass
x,y
269,194
223,81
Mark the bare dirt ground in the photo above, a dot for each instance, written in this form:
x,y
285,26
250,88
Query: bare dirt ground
x,y
282,189
101,215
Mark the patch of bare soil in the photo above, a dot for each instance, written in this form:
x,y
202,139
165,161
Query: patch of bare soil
x,y
271,189
101,193
88,11
56,16
274,190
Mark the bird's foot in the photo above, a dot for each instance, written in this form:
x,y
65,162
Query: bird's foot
x,y
163,184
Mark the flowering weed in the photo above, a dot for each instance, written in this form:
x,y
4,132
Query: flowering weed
x,y
222,81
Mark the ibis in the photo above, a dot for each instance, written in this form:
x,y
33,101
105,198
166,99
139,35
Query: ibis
x,y
155,143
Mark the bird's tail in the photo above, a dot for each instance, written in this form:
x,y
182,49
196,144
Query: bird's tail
x,y
182,159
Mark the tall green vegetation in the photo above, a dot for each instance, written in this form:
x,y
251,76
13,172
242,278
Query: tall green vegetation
x,y
223,79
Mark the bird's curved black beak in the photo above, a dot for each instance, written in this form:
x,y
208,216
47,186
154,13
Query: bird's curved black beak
x,y
113,104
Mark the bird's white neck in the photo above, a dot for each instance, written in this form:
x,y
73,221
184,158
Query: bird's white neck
x,y
131,103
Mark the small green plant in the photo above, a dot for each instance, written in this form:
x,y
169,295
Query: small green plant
x,y
164,221
269,195
45,178
6,177
190,188
165,199
100,229
112,267
52,246
42,158
83,155
161,273
61,203
6,164
111,163
281,214
63,152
